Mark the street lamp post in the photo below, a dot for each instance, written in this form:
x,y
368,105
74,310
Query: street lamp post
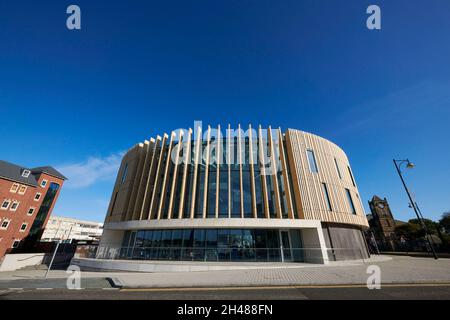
x,y
421,216
410,165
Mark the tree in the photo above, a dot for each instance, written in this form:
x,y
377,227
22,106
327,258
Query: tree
x,y
409,230
413,229
430,224
445,221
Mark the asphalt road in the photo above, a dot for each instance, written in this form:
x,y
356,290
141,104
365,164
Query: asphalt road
x,y
387,292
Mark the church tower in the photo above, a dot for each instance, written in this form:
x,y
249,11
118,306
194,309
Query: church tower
x,y
382,222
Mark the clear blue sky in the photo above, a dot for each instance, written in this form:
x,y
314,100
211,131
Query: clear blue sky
x,y
76,99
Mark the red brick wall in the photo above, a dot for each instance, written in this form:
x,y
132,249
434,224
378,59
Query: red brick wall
x,y
20,216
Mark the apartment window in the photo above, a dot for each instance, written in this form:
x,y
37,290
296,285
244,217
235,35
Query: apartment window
x,y
44,183
23,227
351,176
5,204
22,189
14,205
26,173
312,161
16,243
14,188
5,224
326,196
337,168
37,196
31,211
124,174
350,201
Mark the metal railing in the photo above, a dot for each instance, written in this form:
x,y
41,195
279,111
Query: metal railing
x,y
219,254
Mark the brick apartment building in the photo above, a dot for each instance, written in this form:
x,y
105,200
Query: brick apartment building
x,y
27,197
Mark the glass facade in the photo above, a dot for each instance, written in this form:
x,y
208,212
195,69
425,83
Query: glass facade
x,y
312,161
38,224
241,175
350,201
337,168
213,245
231,185
326,196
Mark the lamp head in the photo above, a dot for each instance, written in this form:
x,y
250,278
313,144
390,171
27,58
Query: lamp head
x,y
410,165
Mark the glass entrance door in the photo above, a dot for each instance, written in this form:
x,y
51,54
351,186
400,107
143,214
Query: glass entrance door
x,y
285,242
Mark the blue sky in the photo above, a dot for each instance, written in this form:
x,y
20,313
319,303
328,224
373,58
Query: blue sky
x,y
77,99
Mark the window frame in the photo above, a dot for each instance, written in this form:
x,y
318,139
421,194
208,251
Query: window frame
x,y
326,195
352,179
32,212
7,226
124,174
338,169
23,224
312,160
44,183
16,241
26,173
350,201
39,196
7,207
11,206
14,190
22,192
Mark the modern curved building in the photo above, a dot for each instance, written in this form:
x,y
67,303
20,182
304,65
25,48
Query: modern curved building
x,y
240,194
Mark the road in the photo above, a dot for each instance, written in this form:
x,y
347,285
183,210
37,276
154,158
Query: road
x,y
352,292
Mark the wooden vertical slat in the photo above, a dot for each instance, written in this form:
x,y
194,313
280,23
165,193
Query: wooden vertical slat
x,y
205,182
152,213
285,175
166,177
263,174
239,159
187,160
197,161
219,159
293,164
138,203
150,179
175,175
136,181
252,171
229,139
273,175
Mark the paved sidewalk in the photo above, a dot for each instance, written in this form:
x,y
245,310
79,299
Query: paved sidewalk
x,y
393,270
39,272
396,270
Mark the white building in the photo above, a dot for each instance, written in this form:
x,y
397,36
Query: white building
x,y
249,195
61,228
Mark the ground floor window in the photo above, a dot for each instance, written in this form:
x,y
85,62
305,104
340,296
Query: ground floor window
x,y
259,245
16,243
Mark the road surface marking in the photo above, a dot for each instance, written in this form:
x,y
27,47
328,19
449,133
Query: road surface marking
x,y
391,285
